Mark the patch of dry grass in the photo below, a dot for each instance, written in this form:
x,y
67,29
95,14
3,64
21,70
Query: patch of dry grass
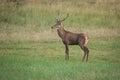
x,y
32,33
32,21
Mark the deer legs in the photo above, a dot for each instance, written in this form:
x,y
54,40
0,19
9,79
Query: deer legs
x,y
66,52
86,53
84,48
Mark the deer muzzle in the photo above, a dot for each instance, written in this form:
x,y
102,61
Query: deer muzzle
x,y
52,27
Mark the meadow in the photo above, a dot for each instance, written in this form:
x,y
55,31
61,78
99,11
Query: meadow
x,y
31,50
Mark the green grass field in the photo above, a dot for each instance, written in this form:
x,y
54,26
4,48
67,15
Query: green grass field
x,y
30,50
45,61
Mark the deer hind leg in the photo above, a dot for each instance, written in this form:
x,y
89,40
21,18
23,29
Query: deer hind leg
x,y
66,52
84,56
83,46
86,52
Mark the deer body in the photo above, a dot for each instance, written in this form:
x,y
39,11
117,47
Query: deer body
x,y
70,38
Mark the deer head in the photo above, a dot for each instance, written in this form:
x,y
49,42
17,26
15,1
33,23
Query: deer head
x,y
57,25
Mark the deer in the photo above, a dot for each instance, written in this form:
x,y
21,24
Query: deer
x,y
70,38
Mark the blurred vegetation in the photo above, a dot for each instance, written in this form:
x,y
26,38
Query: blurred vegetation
x,y
42,12
30,50
33,18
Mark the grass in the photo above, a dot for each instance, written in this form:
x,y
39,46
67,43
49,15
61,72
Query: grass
x,y
30,50
81,12
45,60
57,70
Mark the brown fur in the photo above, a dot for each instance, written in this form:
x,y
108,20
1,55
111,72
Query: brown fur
x,y
69,38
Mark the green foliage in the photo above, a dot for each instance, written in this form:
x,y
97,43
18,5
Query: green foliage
x,y
30,50
42,13
45,60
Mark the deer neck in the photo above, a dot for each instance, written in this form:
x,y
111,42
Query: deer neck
x,y
61,32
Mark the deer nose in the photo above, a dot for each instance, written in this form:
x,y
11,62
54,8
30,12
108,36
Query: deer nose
x,y
52,27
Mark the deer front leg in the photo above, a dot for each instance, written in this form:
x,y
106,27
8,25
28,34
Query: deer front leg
x,y
66,52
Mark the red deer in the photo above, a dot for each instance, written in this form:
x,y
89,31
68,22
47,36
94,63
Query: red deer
x,y
70,38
